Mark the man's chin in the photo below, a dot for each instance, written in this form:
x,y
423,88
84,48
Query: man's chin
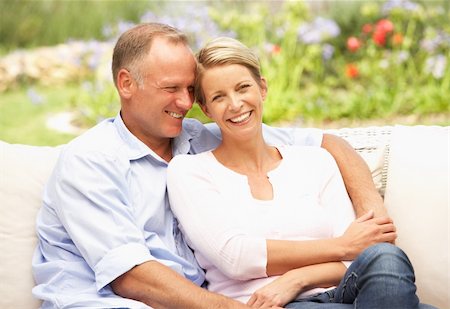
x,y
174,132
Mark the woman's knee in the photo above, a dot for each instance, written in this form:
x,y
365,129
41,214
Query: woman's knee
x,y
388,256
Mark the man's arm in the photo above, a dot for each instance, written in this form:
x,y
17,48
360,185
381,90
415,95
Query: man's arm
x,y
160,287
357,177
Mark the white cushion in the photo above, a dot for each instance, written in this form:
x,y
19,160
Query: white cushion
x,y
23,172
417,198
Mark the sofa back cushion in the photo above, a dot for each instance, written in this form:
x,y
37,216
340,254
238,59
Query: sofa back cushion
x,y
23,172
417,198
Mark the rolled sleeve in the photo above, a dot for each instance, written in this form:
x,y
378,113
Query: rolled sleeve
x,y
118,261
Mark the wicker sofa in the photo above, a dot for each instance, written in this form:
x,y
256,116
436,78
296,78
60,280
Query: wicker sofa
x,y
409,164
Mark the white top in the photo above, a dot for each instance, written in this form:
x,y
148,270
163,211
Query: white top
x,y
227,228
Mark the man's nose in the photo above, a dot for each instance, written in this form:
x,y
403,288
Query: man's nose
x,y
185,99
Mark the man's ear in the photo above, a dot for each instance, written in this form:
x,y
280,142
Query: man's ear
x,y
263,88
126,85
205,110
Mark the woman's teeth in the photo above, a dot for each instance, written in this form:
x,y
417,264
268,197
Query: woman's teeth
x,y
240,118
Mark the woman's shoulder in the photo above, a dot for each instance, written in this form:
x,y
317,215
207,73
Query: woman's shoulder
x,y
188,161
307,156
307,151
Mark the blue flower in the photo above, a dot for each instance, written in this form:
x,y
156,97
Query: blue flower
x,y
319,30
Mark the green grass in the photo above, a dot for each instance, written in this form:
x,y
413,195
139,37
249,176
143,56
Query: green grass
x,y
23,122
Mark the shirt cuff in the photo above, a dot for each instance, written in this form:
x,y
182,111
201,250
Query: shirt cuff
x,y
118,261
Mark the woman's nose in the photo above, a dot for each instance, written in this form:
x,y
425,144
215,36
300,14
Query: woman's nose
x,y
235,103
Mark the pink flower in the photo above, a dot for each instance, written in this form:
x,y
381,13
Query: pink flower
x,y
384,26
367,28
353,44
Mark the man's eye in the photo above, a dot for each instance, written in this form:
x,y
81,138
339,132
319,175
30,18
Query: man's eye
x,y
170,89
244,86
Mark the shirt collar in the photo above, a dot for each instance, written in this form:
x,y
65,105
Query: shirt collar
x,y
137,149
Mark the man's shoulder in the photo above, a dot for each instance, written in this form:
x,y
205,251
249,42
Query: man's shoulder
x,y
202,138
100,140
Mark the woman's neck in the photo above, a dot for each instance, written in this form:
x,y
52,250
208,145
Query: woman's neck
x,y
249,157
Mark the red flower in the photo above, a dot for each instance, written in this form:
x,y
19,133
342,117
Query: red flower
x,y
382,29
367,28
384,25
397,39
351,70
379,38
353,44
276,49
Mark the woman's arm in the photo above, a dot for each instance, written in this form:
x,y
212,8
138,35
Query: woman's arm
x,y
349,237
285,255
357,176
288,286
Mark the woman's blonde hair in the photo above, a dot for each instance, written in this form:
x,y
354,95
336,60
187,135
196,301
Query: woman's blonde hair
x,y
224,51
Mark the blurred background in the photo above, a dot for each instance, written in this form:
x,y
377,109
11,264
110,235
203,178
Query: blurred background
x,y
328,63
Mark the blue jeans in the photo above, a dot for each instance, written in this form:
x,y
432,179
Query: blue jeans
x,y
380,277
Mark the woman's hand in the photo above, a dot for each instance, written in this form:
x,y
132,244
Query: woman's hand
x,y
366,231
279,292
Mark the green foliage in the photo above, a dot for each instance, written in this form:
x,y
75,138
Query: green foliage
x,y
30,23
23,118
313,74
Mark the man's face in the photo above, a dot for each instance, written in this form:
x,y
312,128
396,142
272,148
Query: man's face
x,y
157,107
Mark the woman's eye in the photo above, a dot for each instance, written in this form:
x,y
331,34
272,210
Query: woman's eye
x,y
216,98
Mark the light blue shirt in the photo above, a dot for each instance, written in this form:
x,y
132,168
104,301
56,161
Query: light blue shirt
x,y
106,210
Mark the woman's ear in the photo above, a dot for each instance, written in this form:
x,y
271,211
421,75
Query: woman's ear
x,y
126,85
205,110
263,88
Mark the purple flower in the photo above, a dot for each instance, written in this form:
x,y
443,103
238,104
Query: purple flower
x,y
319,30
327,51
35,97
406,5
436,66
441,39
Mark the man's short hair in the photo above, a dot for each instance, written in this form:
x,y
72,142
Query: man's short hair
x,y
133,45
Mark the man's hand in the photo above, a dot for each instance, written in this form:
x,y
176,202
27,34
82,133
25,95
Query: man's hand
x,y
365,231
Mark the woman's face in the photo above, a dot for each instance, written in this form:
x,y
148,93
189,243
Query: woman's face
x,y
233,99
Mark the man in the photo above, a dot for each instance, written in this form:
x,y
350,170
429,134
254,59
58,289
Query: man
x,y
107,238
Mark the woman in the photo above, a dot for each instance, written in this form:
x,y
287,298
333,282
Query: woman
x,y
273,225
